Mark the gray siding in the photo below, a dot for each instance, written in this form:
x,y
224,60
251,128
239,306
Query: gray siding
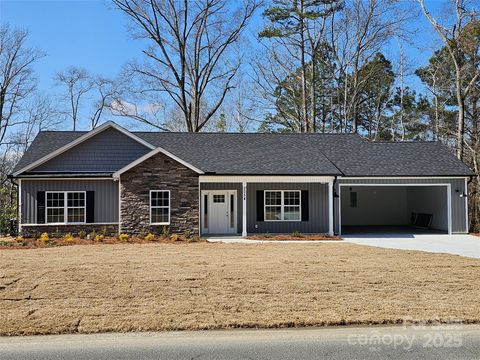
x,y
106,197
229,186
318,209
107,151
458,203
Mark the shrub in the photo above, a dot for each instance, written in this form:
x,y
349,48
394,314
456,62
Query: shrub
x,y
165,231
123,237
297,234
187,234
34,234
44,237
19,239
82,234
194,238
99,238
143,232
56,234
103,231
175,237
68,237
93,235
267,235
149,237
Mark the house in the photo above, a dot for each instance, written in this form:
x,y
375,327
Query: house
x,y
220,183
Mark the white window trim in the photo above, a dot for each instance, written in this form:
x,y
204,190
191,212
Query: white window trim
x,y
160,207
66,207
282,205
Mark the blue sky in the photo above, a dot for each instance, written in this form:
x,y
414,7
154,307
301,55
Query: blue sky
x,y
92,35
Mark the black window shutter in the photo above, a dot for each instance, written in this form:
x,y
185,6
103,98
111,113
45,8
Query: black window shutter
x,y
304,205
260,206
40,207
90,206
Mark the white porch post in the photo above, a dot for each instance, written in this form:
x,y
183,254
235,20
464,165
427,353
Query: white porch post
x,y
19,194
244,208
330,208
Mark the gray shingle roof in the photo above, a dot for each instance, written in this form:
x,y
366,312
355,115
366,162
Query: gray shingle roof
x,y
286,154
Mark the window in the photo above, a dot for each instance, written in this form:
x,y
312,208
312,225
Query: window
x,y
65,207
282,205
205,211
160,207
232,211
218,198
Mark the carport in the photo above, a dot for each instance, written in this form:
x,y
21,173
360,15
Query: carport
x,y
400,208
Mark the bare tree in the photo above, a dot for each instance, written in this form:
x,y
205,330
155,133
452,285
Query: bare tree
x,y
451,36
105,92
17,81
77,83
39,113
188,59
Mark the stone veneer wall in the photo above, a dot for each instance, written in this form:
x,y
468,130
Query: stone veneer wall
x,y
111,229
159,173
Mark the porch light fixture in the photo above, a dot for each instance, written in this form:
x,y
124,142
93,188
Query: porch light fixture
x,y
463,194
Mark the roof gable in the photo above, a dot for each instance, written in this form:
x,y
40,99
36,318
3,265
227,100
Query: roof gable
x,y
104,149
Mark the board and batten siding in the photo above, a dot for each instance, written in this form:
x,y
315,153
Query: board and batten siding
x,y
459,221
110,150
318,209
106,197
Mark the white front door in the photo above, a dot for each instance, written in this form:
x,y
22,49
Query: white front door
x,y
219,212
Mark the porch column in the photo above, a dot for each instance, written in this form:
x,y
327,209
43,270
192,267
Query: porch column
x,y
244,208
330,208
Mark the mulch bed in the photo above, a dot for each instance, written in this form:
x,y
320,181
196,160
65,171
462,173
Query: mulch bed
x,y
30,243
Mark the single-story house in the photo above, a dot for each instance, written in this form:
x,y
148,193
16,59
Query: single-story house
x,y
221,183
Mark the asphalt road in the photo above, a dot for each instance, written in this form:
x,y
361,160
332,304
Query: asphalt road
x,y
444,342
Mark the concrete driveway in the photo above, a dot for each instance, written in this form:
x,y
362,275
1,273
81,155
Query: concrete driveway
x,y
458,244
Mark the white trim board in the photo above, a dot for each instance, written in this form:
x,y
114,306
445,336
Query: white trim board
x,y
73,224
148,155
449,198
401,177
70,178
88,135
264,179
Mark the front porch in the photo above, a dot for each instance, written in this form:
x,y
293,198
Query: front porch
x,y
241,205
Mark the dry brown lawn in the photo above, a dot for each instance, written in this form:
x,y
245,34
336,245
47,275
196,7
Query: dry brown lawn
x,y
139,287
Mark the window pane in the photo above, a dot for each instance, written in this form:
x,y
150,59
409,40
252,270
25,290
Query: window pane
x,y
55,215
291,198
273,197
159,215
160,198
76,215
218,198
75,199
291,213
55,199
273,213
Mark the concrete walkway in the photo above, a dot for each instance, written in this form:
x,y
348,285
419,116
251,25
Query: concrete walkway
x,y
458,244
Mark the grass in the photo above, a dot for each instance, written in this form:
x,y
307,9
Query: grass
x,y
142,287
